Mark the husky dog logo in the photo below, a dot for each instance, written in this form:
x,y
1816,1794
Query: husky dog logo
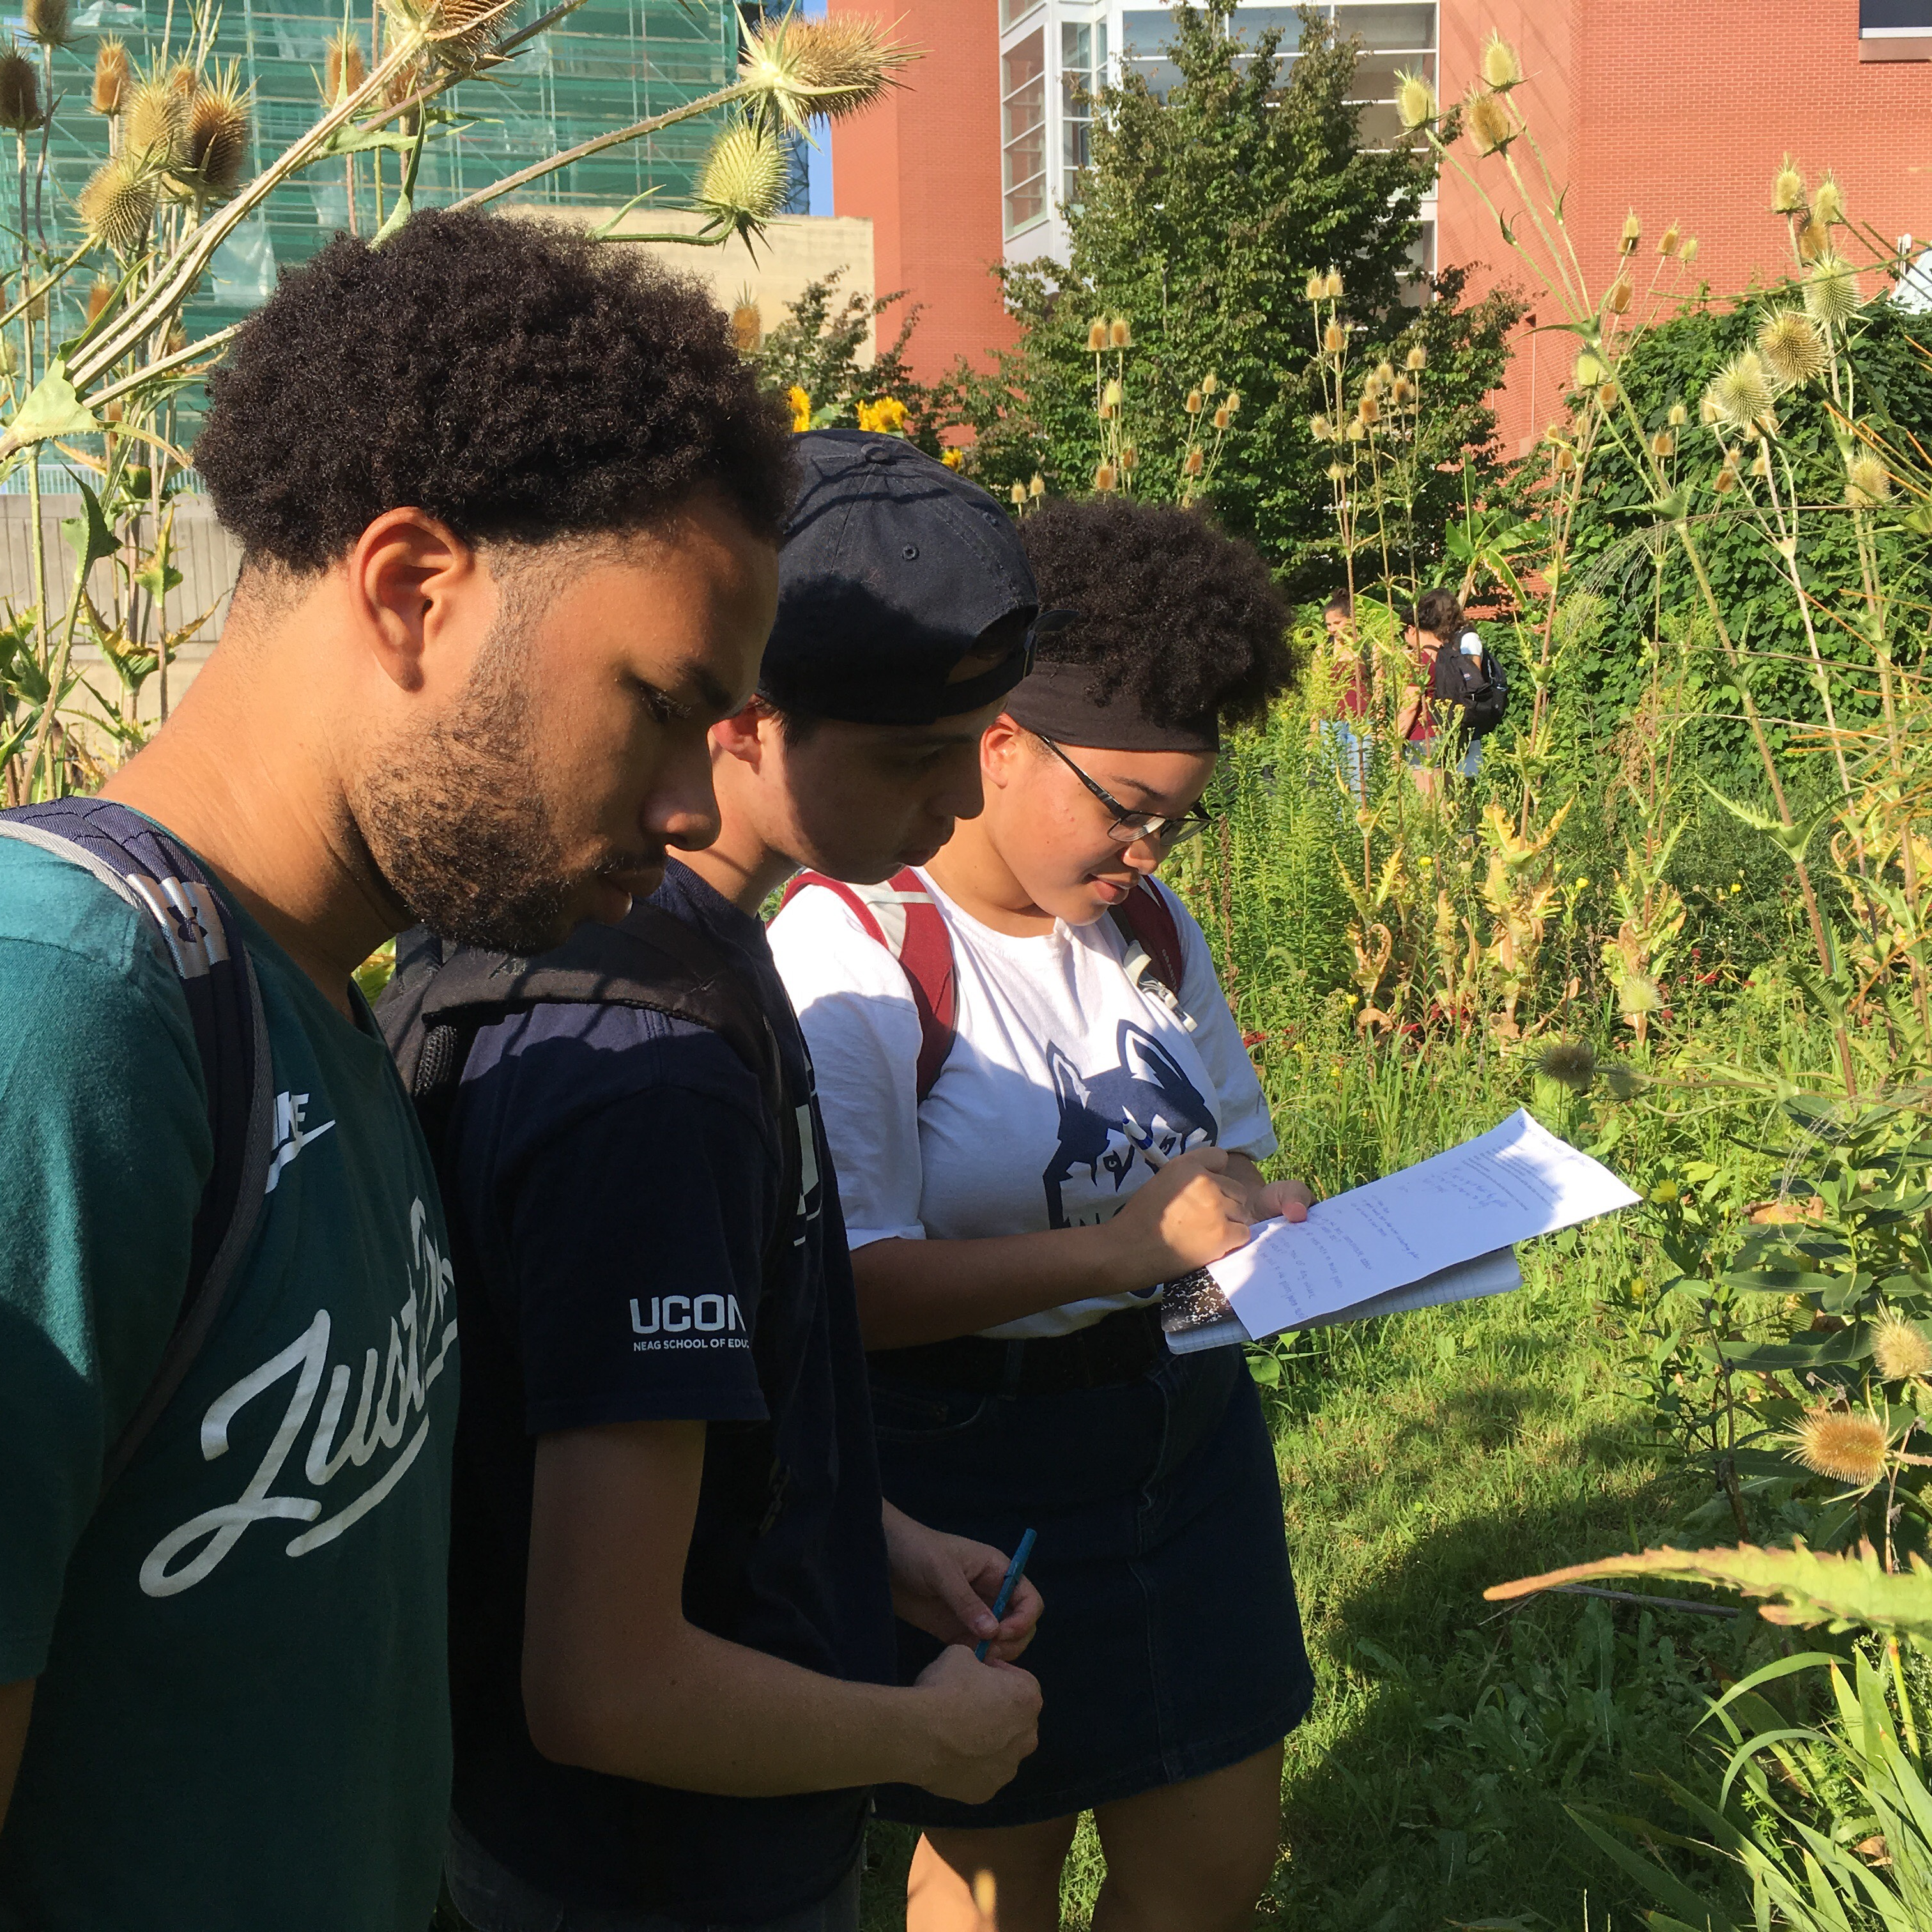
x,y
1106,1119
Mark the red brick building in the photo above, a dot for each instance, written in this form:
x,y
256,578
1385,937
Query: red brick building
x,y
1682,108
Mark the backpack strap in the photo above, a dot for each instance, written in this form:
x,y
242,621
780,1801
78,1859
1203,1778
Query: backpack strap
x,y
1155,949
903,916
197,933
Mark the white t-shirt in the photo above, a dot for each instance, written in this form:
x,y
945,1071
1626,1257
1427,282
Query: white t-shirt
x,y
1061,1071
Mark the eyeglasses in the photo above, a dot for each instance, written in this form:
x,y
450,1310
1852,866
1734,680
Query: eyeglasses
x,y
1128,828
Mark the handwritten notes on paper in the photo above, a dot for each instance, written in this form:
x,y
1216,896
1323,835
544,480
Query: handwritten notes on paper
x,y
1356,1253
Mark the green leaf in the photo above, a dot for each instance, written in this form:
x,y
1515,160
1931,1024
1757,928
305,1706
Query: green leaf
x,y
52,409
88,535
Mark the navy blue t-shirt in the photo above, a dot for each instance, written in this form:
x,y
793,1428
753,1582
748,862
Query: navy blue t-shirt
x,y
612,1177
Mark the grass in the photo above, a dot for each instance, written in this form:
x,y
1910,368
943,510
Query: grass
x,y
1438,1453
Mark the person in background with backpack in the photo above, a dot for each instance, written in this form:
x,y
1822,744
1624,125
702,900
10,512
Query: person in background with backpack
x,y
1040,1115
672,1665
472,688
1459,688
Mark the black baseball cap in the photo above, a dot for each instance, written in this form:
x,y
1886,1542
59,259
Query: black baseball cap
x,y
894,568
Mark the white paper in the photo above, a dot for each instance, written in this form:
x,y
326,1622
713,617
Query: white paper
x,y
1347,1259
1488,1274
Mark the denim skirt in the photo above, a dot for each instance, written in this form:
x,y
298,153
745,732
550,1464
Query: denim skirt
x,y
1171,1645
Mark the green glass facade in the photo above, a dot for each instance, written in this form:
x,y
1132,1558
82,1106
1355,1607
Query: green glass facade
x,y
610,63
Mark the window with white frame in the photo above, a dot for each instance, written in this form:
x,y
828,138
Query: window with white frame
x,y
1023,130
1083,72
1011,10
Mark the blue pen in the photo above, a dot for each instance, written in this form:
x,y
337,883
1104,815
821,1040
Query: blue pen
x,y
1009,1583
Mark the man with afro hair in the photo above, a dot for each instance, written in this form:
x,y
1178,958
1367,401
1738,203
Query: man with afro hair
x,y
509,506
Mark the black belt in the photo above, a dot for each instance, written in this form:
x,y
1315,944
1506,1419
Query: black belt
x,y
1120,1349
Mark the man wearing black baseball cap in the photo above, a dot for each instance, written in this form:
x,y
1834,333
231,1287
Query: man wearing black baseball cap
x,y
673,1577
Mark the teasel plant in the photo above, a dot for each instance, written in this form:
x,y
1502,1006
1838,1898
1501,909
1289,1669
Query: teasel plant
x,y
1608,312
173,185
1208,414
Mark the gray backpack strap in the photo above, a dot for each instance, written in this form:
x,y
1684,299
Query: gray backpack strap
x,y
196,933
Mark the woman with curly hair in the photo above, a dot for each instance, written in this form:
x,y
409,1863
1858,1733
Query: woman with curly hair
x,y
1041,1113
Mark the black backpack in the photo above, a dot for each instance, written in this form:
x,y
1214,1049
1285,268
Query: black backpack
x,y
197,932
442,995
1478,687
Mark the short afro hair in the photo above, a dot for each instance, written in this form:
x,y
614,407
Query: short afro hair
x,y
1181,620
513,378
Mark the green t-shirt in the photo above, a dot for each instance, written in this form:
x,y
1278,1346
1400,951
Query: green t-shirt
x,y
241,1720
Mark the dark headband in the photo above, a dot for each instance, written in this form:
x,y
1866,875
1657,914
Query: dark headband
x,y
1055,700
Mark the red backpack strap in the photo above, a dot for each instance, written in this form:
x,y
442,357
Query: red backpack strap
x,y
1147,922
902,916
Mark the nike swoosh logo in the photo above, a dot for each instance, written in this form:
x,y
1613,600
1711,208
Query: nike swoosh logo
x,y
287,1152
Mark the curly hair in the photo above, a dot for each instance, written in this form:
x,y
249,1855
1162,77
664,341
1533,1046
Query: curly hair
x,y
1439,613
509,376
1181,620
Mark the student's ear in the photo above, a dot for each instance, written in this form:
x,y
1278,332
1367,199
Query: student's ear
x,y
1002,748
742,735
421,598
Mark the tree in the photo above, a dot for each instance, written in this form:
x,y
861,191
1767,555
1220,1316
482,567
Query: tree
x,y
1201,220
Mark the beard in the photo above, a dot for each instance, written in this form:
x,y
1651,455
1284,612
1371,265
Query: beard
x,y
453,818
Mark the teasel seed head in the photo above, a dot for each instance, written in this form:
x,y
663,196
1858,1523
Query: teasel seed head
x,y
1793,349
1607,394
1414,100
343,69
1321,429
1618,301
1209,383
1832,292
1317,287
1740,393
1338,473
1570,1063
748,326
1591,369
744,176
834,66
50,22
1761,463
1096,335
1193,404
1814,239
1112,396
1827,204
1707,410
1119,334
1332,286
1358,430
1679,415
1490,126
1725,481
1130,458
1231,403
217,146
1787,190
113,75
1416,360
1104,479
1670,240
100,293
1369,409
1632,235
156,123
1017,492
1401,392
1688,252
1334,341
1193,463
1384,373
1036,485
1502,70
117,206
1842,1445
1868,482
19,90
1564,460
1900,1351
1664,444
1221,417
